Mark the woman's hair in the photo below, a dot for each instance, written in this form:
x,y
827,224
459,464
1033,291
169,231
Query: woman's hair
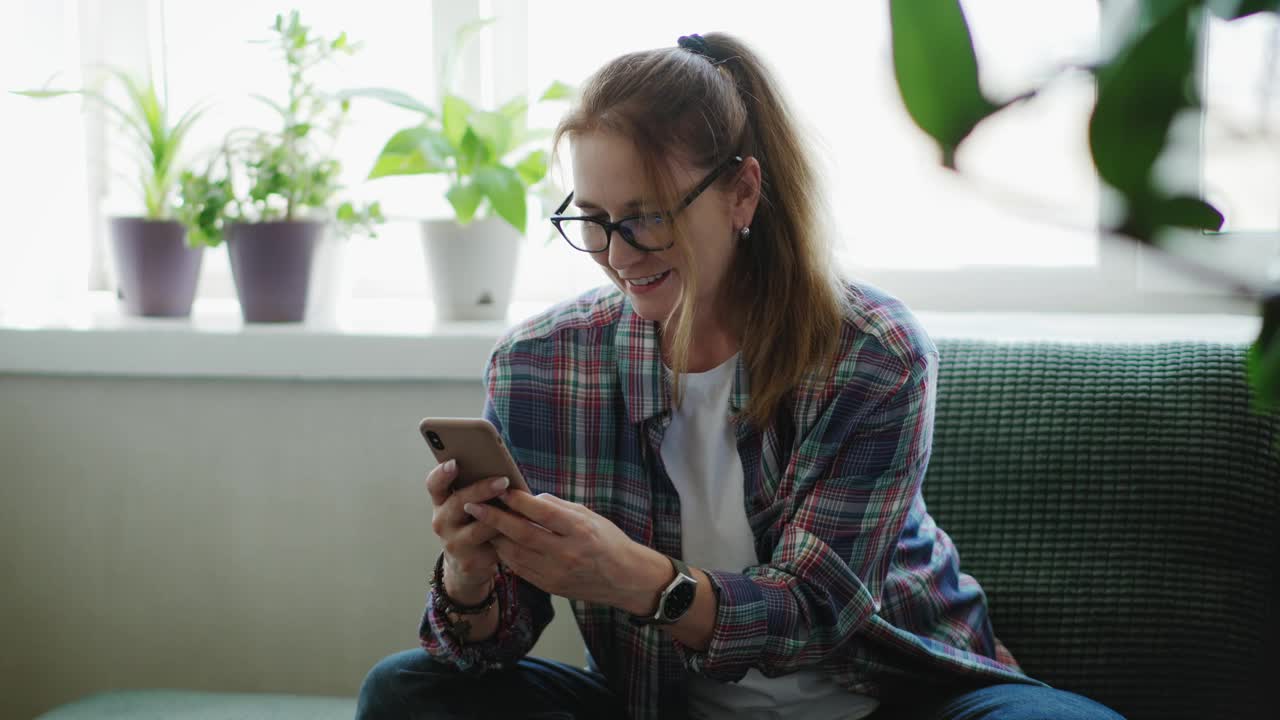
x,y
703,102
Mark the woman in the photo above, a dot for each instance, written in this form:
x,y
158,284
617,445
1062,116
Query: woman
x,y
728,448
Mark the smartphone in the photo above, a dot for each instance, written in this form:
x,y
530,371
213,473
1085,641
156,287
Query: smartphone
x,y
478,448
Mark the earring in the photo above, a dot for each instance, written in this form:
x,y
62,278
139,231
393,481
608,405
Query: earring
x,y
744,233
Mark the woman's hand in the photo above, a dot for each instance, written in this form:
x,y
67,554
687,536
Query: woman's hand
x,y
470,561
566,549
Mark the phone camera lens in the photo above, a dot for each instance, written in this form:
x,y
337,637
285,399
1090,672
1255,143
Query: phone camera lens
x,y
435,440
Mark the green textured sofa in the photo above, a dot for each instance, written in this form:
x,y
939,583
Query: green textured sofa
x,y
1119,503
1121,506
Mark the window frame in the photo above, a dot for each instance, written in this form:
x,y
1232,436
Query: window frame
x,y
1125,278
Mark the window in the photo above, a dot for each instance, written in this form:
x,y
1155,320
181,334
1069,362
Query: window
x,y
898,208
43,187
1241,146
1014,231
1239,160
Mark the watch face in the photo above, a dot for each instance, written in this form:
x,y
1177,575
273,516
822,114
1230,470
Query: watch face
x,y
679,600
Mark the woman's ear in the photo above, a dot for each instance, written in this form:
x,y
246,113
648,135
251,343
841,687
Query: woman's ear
x,y
746,192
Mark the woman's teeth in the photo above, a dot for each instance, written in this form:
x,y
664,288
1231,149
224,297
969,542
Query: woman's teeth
x,y
648,280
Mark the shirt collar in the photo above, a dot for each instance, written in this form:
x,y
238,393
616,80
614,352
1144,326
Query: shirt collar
x,y
646,389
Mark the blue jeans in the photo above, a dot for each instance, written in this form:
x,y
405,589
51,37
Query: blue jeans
x,y
411,686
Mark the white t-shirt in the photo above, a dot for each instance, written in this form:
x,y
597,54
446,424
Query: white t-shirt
x,y
700,452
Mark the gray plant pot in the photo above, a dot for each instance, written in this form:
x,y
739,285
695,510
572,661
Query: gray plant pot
x,y
156,271
472,268
271,265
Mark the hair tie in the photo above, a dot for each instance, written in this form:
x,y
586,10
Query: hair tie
x,y
695,44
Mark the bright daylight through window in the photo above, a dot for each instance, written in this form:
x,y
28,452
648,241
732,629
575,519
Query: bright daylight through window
x,y
1026,198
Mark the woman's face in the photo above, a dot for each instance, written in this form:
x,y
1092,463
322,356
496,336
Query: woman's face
x,y
608,182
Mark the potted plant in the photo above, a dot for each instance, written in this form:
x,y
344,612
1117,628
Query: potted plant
x,y
494,165
269,192
157,262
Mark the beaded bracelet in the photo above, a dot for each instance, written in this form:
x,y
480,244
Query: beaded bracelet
x,y
448,605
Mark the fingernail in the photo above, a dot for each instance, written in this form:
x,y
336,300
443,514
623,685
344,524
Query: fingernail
x,y
451,466
501,483
471,509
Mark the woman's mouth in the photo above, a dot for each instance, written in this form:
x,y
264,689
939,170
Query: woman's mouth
x,y
647,284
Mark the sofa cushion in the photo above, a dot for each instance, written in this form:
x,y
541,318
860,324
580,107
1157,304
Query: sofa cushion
x,y
191,705
1119,503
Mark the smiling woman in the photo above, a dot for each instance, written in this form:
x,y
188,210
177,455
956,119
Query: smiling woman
x,y
728,449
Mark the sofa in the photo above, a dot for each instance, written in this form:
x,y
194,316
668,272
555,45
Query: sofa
x,y
1120,503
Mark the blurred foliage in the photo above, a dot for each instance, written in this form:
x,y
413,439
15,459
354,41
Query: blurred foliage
x,y
1141,88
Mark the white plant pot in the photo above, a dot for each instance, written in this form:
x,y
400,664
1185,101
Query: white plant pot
x,y
472,268
331,279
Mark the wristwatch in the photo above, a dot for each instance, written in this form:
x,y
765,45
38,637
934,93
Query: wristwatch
x,y
676,599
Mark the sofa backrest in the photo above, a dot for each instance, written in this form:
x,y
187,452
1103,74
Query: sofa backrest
x,y
1119,504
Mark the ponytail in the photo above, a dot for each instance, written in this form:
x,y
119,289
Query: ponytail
x,y
709,98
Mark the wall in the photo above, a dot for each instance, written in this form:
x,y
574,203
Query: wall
x,y
211,534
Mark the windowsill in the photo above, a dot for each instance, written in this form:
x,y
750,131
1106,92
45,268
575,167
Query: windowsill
x,y
387,340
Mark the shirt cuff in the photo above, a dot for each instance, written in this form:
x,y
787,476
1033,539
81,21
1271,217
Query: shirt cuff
x,y
509,643
739,633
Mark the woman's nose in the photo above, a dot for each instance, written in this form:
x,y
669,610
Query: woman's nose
x,y
621,254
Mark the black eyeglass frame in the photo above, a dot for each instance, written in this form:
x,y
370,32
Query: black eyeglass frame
x,y
627,236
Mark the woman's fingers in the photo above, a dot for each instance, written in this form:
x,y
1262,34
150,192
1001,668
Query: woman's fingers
x,y
475,534
439,481
558,516
477,492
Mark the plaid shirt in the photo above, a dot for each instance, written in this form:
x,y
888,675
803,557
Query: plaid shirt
x,y
854,577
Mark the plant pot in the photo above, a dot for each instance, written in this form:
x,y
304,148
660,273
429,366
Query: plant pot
x,y
331,279
472,268
271,265
156,272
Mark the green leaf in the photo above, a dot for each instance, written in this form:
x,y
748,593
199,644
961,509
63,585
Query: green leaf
x,y
533,168
495,130
557,91
464,199
391,97
42,94
424,139
412,163
937,70
1189,212
1235,9
184,124
505,192
1263,359
413,151
1139,93
455,113
475,153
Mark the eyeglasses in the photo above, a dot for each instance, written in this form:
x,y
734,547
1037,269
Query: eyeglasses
x,y
646,232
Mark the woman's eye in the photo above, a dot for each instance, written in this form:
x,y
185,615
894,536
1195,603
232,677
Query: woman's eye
x,y
648,221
